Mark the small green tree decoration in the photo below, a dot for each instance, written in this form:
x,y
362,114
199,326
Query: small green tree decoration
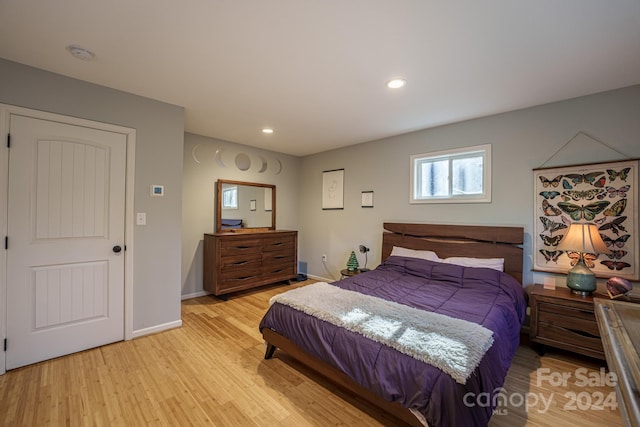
x,y
352,264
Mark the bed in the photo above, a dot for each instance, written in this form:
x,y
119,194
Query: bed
x,y
386,369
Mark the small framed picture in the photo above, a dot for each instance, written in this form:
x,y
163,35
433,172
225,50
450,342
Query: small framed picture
x,y
157,190
333,189
367,199
252,205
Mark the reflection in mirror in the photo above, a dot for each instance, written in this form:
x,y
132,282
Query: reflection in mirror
x,y
245,206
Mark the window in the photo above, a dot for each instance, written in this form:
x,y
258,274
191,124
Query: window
x,y
229,197
462,175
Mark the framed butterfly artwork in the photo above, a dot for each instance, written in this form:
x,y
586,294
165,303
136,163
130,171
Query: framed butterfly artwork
x,y
605,194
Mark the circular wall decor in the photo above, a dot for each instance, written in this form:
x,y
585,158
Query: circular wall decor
x,y
243,162
218,158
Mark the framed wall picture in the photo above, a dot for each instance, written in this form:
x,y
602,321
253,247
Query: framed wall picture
x,y
252,205
605,194
333,189
157,190
367,199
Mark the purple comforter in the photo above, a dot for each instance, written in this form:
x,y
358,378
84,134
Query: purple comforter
x,y
487,297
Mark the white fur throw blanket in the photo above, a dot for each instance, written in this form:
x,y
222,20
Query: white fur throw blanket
x,y
453,345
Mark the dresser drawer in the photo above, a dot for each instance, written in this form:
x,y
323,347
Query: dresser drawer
x,y
240,274
242,260
279,243
277,257
229,247
286,270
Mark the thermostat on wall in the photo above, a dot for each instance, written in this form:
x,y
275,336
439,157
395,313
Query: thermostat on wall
x,y
157,190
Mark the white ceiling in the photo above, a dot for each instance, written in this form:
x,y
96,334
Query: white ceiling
x,y
315,71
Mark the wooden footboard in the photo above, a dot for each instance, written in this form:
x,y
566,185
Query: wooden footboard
x,y
275,340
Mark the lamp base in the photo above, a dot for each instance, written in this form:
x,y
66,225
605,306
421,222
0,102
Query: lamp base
x,y
581,280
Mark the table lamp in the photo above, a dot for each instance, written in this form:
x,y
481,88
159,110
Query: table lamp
x,y
582,238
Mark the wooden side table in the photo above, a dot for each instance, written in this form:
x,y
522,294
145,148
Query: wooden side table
x,y
564,320
348,273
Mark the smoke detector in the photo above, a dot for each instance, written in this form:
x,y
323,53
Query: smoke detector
x,y
80,52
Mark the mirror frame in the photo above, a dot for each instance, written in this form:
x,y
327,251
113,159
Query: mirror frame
x,y
219,185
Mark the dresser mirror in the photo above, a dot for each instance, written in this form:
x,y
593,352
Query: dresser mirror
x,y
243,207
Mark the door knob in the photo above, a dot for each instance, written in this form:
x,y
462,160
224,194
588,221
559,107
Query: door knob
x,y
117,249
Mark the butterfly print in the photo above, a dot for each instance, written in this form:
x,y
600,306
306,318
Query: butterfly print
x,y
566,185
551,226
549,194
615,225
588,212
615,265
546,182
616,209
551,255
583,194
600,183
577,178
617,254
622,174
619,242
613,192
549,209
587,257
551,240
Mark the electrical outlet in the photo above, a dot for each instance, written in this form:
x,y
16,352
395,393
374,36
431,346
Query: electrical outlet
x,y
324,257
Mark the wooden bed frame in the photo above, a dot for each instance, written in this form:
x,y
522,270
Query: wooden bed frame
x,y
446,241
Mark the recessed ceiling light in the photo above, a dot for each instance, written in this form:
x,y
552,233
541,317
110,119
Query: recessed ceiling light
x,y
396,83
80,52
267,130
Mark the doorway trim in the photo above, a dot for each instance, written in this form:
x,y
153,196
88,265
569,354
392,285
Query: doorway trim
x,y
5,113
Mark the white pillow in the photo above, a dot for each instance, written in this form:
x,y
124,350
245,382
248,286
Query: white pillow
x,y
413,253
493,263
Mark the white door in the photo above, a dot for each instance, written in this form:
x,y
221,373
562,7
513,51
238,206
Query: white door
x,y
66,212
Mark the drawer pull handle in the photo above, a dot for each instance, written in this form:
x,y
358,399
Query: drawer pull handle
x,y
584,334
240,262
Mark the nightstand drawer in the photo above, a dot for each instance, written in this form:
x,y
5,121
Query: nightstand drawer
x,y
565,336
577,320
565,311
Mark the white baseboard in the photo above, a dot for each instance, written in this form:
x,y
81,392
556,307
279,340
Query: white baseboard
x,y
157,328
194,295
322,279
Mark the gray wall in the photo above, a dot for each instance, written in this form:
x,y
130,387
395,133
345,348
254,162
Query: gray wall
x,y
202,168
521,141
159,148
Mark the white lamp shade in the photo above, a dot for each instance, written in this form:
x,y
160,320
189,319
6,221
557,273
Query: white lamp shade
x,y
583,237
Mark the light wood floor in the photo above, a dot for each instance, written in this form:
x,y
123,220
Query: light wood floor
x,y
211,372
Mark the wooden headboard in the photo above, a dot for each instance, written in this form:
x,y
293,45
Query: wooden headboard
x,y
459,240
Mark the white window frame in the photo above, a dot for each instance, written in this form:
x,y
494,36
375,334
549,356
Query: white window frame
x,y
458,153
230,197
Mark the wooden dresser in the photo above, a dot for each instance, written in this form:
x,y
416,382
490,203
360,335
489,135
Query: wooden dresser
x,y
238,261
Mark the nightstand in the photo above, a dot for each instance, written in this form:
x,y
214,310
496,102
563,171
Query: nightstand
x,y
564,320
348,273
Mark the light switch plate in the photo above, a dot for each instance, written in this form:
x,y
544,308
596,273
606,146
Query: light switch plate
x,y
141,218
